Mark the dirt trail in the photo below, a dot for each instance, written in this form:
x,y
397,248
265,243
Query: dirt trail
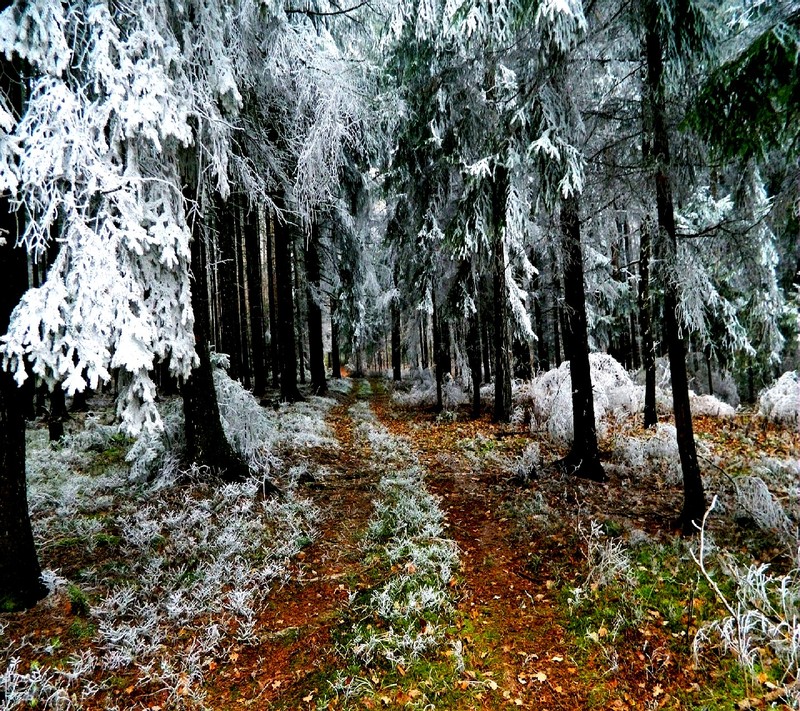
x,y
287,669
523,644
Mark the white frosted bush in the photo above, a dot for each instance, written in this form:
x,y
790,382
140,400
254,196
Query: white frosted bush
x,y
781,401
550,396
755,500
710,405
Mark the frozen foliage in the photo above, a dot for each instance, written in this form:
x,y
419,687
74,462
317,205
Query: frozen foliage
x,y
755,501
781,402
423,392
550,397
657,452
194,554
710,405
763,621
407,531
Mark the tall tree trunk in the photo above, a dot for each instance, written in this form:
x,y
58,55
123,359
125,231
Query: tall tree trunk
x,y
241,288
274,339
286,335
230,332
21,586
646,330
206,443
542,357
423,341
502,340
396,353
694,502
437,353
583,458
336,361
486,340
300,291
316,351
252,242
57,414
473,344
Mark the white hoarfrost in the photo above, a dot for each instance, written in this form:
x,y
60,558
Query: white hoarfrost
x,y
781,401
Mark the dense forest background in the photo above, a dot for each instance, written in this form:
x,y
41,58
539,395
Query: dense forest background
x,y
551,217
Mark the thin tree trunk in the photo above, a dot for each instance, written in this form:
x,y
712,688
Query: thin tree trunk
x,y
285,309
694,502
396,353
583,458
237,205
206,443
274,338
336,361
252,241
21,586
437,354
299,290
316,352
473,344
646,329
230,332
423,340
502,345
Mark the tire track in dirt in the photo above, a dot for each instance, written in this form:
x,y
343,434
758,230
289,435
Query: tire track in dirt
x,y
287,667
511,611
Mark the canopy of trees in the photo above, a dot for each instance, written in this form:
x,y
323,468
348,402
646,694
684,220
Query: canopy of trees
x,y
485,189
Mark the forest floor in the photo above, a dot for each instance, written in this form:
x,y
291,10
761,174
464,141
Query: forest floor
x,y
568,594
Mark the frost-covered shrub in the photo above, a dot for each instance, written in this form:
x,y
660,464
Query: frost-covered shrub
x,y
423,391
152,450
755,501
762,627
550,396
658,451
781,402
710,405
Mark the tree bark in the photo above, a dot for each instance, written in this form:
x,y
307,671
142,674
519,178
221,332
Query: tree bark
x,y
300,316
206,443
473,344
252,242
502,345
694,502
396,353
230,333
437,353
21,586
584,457
285,312
646,330
336,361
241,288
272,301
316,351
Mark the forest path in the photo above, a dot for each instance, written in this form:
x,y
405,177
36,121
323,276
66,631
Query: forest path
x,y
297,630
505,608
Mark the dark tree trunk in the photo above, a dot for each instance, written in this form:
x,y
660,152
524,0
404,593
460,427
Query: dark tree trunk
x,y
230,333
502,340
437,354
583,458
646,330
206,443
285,304
274,340
57,414
473,343
486,340
542,357
300,291
21,586
252,242
316,351
241,288
707,357
396,354
336,361
423,341
694,502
